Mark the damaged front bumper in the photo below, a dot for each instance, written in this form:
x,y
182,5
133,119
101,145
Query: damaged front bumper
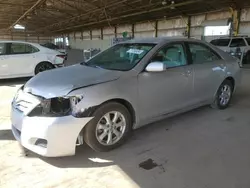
x,y
46,136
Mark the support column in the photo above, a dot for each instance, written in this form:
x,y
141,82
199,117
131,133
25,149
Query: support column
x,y
81,34
102,33
133,30
189,27
237,24
115,32
90,33
156,28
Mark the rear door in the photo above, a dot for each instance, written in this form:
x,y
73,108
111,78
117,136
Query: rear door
x,y
21,59
3,62
208,68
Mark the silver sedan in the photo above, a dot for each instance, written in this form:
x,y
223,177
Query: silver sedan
x,y
125,87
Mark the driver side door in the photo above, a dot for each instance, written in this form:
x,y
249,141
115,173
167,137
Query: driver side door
x,y
161,93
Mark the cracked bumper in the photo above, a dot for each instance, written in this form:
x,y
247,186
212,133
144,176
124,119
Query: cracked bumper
x,y
60,133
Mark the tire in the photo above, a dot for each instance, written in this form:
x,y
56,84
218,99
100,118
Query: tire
x,y
222,101
248,57
43,66
99,127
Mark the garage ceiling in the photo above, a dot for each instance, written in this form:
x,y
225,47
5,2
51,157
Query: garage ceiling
x,y
63,16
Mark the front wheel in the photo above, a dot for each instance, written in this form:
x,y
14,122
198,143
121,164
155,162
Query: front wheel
x,y
109,128
224,95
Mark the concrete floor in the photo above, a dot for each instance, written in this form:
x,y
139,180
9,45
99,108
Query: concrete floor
x,y
205,148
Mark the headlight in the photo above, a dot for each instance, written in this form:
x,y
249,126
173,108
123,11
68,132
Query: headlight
x,y
74,107
55,107
59,106
45,106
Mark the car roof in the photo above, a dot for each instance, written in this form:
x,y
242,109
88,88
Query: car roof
x,y
160,40
237,37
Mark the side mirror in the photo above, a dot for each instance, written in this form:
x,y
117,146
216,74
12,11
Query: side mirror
x,y
156,67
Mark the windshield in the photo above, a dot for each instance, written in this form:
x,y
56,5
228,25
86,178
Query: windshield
x,y
122,57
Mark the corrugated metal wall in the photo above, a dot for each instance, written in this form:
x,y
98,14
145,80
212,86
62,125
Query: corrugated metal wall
x,y
26,37
165,28
245,22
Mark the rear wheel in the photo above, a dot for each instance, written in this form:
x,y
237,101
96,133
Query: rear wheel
x,y
109,128
224,95
43,67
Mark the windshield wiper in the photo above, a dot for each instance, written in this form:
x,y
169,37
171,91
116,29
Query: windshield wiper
x,y
95,66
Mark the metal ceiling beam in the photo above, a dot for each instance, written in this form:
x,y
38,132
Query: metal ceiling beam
x,y
27,11
133,14
12,4
69,5
84,14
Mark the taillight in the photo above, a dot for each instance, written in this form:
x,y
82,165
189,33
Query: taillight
x,y
61,56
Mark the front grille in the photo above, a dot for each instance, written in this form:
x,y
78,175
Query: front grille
x,y
23,105
25,102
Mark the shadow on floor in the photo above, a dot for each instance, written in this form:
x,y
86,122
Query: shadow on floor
x,y
137,145
193,146
6,135
14,81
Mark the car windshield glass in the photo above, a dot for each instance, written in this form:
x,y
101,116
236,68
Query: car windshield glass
x,y
248,41
122,57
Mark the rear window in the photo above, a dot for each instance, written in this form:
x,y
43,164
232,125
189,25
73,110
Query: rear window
x,y
248,40
237,42
220,42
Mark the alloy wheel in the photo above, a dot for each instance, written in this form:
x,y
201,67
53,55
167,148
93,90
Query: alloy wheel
x,y
225,95
110,128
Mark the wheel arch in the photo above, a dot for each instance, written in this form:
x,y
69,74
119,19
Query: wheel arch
x,y
231,79
125,103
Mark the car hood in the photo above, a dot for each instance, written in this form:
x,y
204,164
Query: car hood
x,y
59,82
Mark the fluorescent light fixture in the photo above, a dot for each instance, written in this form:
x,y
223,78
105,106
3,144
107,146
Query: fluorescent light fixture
x,y
17,26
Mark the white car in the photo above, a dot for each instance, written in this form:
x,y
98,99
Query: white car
x,y
238,46
23,59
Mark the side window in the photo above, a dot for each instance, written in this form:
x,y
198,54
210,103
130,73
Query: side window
x,y
21,48
30,49
202,54
171,55
220,42
2,48
17,48
237,42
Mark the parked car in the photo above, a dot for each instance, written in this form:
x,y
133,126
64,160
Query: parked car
x,y
236,46
123,88
56,47
22,59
